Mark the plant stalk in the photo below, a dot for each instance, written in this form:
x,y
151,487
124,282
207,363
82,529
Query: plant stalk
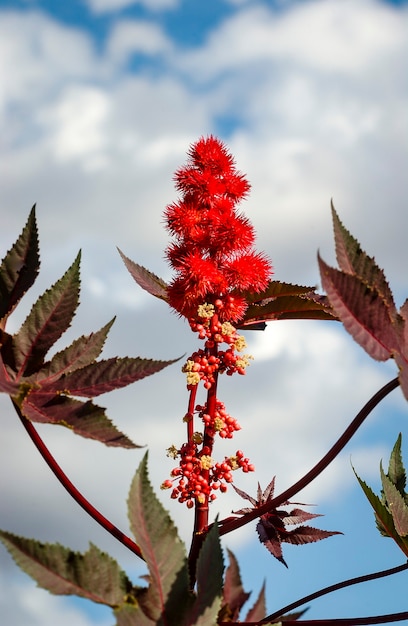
x,y
72,490
345,583
348,621
232,523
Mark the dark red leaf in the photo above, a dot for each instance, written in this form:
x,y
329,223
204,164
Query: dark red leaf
x,y
353,260
106,375
19,267
363,311
297,516
306,534
81,352
271,540
147,280
258,611
234,594
83,418
48,319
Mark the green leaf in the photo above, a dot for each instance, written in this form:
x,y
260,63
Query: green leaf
x,y
353,260
19,267
167,596
363,311
210,568
396,505
145,279
83,418
81,352
106,375
396,470
48,319
93,575
383,517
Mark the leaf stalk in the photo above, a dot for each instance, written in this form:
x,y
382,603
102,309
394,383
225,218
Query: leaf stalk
x,y
72,490
231,524
330,589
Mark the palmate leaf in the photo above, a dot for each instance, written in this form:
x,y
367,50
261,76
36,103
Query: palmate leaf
x,y
167,598
48,319
51,402
106,375
363,311
81,352
353,260
19,267
271,527
147,280
83,418
384,518
93,575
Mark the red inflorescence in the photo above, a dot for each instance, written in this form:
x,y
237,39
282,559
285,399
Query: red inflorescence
x,y
212,253
216,269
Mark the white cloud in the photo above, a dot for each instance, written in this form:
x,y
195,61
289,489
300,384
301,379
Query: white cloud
x,y
130,36
320,104
24,603
111,6
332,37
76,126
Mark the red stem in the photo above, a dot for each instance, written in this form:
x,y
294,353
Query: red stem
x,y
72,490
348,621
231,524
345,583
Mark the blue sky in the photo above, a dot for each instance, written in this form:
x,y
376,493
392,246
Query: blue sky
x,y
99,102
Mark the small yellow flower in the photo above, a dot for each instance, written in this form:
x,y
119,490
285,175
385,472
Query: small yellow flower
x,y
205,311
172,452
218,424
197,438
188,366
244,361
206,462
227,329
240,343
193,378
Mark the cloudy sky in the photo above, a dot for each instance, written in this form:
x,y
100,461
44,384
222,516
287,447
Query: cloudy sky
x,y
99,102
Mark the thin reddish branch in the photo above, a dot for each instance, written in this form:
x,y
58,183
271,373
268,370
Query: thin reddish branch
x,y
348,621
345,583
72,490
230,524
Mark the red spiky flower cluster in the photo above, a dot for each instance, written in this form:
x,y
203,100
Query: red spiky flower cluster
x,y
212,253
216,269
